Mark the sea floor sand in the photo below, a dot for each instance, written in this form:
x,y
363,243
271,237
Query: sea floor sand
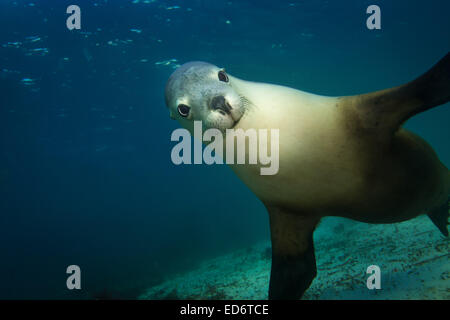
x,y
413,257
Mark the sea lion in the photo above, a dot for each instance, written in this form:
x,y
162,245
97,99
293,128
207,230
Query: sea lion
x,y
342,156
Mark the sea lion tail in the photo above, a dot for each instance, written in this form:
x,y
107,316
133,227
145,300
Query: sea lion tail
x,y
389,108
440,216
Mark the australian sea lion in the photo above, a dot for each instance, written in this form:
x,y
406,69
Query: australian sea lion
x,y
339,156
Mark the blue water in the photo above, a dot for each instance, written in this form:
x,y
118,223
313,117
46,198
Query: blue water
x,y
85,170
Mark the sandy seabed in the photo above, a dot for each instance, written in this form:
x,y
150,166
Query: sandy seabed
x,y
413,257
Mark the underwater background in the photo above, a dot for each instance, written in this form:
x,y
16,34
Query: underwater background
x,y
85,171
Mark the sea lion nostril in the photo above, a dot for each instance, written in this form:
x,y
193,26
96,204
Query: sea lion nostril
x,y
219,103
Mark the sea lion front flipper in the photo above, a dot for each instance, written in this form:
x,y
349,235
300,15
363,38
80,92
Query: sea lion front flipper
x,y
439,217
391,107
293,259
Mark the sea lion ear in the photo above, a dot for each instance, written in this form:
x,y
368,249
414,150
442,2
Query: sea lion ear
x,y
171,115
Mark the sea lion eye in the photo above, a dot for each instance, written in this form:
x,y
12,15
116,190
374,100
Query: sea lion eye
x,y
183,110
223,76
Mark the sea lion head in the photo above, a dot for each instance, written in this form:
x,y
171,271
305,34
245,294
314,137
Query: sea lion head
x,y
200,91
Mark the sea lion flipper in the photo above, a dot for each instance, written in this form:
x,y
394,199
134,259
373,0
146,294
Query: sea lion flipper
x,y
440,216
293,259
389,108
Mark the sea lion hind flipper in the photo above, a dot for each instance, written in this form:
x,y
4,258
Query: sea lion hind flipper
x,y
440,216
293,260
389,108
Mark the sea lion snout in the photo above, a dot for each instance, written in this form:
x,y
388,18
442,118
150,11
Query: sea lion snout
x,y
221,104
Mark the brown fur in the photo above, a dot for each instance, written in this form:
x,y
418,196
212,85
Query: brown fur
x,y
395,176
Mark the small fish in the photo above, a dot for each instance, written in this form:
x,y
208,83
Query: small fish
x,y
28,81
166,62
33,38
15,44
37,51
40,50
10,71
